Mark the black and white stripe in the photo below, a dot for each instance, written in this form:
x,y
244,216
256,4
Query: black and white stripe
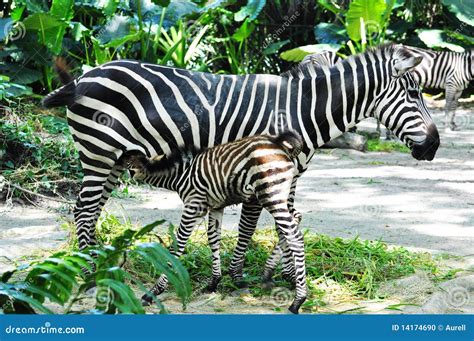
x,y
125,106
257,170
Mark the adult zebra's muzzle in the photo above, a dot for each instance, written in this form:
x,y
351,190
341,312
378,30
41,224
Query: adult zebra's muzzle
x,y
427,149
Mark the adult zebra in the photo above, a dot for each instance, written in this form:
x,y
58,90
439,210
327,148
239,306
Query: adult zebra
x,y
450,71
131,106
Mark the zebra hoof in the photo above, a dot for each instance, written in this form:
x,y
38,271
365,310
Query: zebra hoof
x,y
212,287
267,285
295,306
147,300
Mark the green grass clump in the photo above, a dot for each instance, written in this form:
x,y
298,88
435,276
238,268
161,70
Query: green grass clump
x,y
37,150
377,145
356,265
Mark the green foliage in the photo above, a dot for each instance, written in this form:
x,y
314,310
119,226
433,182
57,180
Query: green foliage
x,y
60,278
360,266
297,54
463,10
441,39
36,150
251,10
377,145
365,16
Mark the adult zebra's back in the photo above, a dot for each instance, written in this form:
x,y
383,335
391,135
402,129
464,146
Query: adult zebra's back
x,y
450,71
130,106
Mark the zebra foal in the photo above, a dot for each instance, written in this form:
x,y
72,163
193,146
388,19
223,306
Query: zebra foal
x,y
258,169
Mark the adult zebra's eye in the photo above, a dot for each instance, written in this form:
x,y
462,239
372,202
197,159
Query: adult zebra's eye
x,y
412,92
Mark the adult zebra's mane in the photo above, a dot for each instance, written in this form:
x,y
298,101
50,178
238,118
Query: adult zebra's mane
x,y
306,70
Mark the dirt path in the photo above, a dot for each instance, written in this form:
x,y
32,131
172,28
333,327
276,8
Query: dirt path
x,y
388,196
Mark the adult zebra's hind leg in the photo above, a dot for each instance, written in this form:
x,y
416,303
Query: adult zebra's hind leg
x,y
214,239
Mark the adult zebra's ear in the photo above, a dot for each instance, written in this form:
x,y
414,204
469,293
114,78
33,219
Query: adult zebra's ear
x,y
401,66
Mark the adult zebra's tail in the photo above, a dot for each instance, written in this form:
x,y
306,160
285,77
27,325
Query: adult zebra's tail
x,y
290,141
65,95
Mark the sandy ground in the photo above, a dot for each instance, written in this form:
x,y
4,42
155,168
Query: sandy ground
x,y
388,196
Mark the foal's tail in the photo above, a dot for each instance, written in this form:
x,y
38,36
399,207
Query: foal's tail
x,y
65,95
290,141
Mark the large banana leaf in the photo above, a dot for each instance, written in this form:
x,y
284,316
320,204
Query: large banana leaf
x,y
371,12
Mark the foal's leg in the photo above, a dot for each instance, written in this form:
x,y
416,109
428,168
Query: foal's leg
x,y
214,239
192,213
288,270
248,223
288,231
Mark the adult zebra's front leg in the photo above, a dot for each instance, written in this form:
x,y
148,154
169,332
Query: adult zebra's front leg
x,y
193,211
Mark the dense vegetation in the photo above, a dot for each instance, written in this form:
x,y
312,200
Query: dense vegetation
x,y
218,36
135,257
233,36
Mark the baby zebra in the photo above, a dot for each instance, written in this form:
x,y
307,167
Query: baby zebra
x,y
256,169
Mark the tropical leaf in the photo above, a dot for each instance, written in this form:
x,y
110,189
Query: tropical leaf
x,y
251,10
148,228
275,47
371,12
123,298
330,5
462,9
162,3
437,39
297,54
41,21
327,33
5,27
244,31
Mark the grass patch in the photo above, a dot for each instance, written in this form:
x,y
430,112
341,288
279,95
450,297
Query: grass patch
x,y
377,145
36,150
355,266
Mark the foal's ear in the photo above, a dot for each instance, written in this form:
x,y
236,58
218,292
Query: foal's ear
x,y
401,66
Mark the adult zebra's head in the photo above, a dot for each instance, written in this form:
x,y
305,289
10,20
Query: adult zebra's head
x,y
401,108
